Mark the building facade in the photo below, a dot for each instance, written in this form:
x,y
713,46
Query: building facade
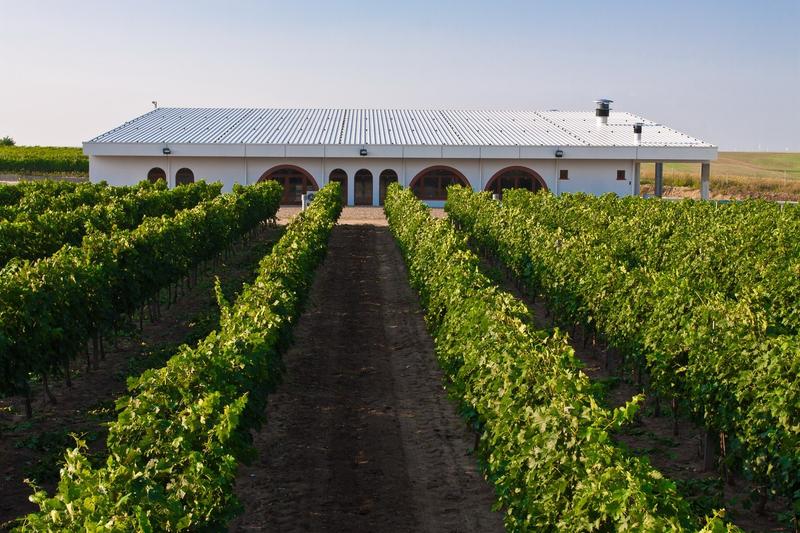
x,y
594,152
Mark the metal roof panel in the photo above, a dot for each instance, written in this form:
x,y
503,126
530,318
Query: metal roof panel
x,y
410,127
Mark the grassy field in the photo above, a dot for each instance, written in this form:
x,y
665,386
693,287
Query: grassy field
x,y
746,164
43,160
771,175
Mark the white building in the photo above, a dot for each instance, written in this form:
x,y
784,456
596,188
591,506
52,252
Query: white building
x,y
563,151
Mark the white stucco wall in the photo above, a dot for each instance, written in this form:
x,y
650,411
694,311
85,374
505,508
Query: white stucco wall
x,y
585,175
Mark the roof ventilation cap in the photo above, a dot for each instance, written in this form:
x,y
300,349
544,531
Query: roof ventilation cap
x,y
602,110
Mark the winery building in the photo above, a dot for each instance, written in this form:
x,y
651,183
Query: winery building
x,y
597,151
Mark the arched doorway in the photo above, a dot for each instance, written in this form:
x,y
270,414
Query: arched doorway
x,y
387,176
432,183
184,177
515,178
340,176
156,174
363,187
295,181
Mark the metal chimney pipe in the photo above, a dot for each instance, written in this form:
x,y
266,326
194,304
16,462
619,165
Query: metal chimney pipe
x,y
637,133
602,111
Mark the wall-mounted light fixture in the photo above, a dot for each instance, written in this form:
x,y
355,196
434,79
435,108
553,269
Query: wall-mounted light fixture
x,y
559,153
166,150
362,152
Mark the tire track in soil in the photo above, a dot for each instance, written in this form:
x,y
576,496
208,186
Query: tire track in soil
x,y
361,435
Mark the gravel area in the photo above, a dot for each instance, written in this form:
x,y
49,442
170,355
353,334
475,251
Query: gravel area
x,y
372,216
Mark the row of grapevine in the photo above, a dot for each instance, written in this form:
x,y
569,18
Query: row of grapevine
x,y
544,437
698,238
704,300
42,234
50,308
34,197
12,195
179,437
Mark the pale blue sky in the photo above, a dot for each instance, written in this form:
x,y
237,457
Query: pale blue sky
x,y
725,71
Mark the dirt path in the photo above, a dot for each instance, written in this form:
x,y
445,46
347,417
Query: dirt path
x,y
361,436
35,448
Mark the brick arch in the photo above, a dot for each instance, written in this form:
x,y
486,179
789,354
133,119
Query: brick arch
x,y
296,181
537,182
425,190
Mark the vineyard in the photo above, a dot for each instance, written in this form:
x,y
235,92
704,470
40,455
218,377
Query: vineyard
x,y
702,302
545,439
174,448
52,214
309,396
43,160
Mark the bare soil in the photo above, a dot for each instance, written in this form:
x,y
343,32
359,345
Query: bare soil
x,y
35,447
674,192
361,435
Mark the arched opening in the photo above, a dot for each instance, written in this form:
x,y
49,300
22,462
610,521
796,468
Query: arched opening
x,y
432,183
515,178
363,187
387,176
184,177
340,176
156,174
295,181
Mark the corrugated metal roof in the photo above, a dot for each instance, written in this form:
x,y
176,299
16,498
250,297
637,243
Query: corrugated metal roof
x,y
619,130
435,127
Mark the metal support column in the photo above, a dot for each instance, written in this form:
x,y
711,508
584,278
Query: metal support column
x,y
705,174
659,179
637,171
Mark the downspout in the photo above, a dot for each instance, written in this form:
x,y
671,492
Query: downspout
x,y
246,176
480,169
557,177
405,175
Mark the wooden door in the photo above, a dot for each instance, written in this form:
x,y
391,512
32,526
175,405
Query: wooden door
x,y
363,187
